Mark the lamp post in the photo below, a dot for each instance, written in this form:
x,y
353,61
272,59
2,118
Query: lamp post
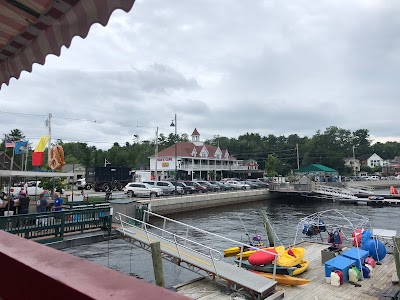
x,y
176,153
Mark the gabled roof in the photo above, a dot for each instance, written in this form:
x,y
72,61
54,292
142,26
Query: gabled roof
x,y
185,149
364,156
195,132
31,30
315,168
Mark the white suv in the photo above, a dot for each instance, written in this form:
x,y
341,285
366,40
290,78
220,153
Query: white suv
x,y
140,189
239,185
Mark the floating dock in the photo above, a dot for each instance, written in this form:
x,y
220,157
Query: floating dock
x,y
373,288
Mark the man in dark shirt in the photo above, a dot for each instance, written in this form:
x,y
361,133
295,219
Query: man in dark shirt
x,y
41,204
23,203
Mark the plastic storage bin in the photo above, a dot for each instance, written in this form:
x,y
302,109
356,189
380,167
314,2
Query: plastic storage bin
x,y
358,255
339,263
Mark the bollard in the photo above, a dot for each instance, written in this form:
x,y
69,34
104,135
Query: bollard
x,y
157,263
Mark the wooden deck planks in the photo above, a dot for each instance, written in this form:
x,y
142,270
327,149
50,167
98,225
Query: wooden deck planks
x,y
318,289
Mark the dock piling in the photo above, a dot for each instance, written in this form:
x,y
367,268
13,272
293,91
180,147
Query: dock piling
x,y
396,252
157,263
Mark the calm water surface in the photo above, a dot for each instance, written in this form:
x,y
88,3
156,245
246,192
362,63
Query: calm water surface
x,y
284,214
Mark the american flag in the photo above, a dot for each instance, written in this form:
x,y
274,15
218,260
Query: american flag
x,y
9,143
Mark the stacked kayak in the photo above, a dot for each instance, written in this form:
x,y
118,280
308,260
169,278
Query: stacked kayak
x,y
284,279
296,270
235,250
246,254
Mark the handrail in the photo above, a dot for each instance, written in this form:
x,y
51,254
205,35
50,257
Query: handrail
x,y
175,236
240,244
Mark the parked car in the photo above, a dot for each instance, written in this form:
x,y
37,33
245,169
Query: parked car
x,y
186,188
260,183
374,177
167,187
199,188
140,189
81,184
238,185
222,186
397,177
251,184
211,187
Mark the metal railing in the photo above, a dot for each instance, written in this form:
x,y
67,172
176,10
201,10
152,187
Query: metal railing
x,y
334,191
185,238
57,224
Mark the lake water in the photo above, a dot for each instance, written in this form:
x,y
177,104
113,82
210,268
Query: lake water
x,y
283,213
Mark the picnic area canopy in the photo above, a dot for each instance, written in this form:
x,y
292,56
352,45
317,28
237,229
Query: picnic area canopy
x,y
32,29
315,168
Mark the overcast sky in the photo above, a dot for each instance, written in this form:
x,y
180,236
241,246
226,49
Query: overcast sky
x,y
225,67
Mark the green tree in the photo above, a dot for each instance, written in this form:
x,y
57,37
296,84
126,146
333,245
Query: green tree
x,y
16,135
271,166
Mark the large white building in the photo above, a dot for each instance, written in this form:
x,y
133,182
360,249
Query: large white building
x,y
197,160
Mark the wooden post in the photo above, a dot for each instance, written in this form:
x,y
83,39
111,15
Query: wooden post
x,y
268,228
396,253
157,263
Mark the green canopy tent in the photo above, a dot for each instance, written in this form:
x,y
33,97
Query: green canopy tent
x,y
316,168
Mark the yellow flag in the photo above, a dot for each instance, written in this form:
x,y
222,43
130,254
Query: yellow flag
x,y
42,143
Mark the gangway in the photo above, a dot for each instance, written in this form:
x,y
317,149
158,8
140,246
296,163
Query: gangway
x,y
334,192
360,189
181,249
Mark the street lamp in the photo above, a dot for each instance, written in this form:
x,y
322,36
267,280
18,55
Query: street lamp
x,y
176,154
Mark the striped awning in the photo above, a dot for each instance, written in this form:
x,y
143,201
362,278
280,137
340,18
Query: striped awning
x,y
32,29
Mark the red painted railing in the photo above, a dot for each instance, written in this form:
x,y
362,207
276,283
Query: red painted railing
x,y
32,271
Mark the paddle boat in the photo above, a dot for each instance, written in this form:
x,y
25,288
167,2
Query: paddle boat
x,y
246,254
291,257
292,271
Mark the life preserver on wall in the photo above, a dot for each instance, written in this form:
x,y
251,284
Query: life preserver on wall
x,y
56,158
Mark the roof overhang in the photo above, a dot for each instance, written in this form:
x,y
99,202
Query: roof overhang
x,y
32,29
33,174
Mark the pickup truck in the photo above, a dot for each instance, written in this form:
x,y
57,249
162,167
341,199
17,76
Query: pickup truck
x,y
34,188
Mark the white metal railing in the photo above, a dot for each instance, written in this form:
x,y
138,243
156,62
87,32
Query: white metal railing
x,y
360,189
334,191
176,237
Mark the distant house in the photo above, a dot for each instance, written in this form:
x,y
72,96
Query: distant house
x,y
371,160
251,164
352,163
78,170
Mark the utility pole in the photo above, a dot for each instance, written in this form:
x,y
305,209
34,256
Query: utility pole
x,y
49,144
156,157
298,159
354,162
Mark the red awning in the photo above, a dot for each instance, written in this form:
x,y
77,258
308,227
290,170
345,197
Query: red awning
x,y
32,29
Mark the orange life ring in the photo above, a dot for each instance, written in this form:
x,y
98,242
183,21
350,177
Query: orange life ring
x,y
56,158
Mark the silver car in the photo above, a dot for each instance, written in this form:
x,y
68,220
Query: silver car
x,y
140,189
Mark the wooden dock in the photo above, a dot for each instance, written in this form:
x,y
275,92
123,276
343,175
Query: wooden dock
x,y
372,288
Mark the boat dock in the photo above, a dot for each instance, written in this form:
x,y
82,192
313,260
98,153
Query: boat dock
x,y
373,288
200,257
354,194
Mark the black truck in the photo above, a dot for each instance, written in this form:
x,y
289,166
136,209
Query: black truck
x,y
106,179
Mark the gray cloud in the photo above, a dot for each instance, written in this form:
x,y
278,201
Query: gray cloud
x,y
225,67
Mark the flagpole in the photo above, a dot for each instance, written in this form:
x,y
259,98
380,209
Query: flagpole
x,y
11,167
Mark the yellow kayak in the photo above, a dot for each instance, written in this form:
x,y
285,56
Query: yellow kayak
x,y
235,250
283,279
288,260
246,254
303,266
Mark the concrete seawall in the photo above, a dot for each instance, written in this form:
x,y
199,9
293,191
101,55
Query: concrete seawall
x,y
199,201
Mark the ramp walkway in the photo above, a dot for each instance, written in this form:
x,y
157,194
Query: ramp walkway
x,y
360,189
334,192
181,249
